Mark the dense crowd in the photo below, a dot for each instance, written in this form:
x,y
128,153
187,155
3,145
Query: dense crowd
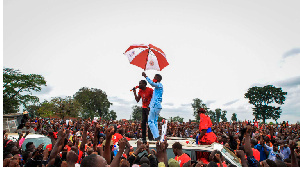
x,y
91,143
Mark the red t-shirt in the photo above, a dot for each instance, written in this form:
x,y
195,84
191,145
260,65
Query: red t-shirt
x,y
80,154
146,96
205,122
182,159
256,154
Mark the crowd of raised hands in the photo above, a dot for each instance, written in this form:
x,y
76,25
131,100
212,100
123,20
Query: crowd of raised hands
x,y
91,143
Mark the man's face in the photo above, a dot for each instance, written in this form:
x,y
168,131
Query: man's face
x,y
156,78
175,151
275,148
142,85
32,147
15,150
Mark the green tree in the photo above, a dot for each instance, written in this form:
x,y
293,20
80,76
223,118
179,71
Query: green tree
x,y
94,102
46,109
262,97
177,118
33,110
18,88
196,105
66,107
111,115
233,117
212,116
137,112
218,114
223,116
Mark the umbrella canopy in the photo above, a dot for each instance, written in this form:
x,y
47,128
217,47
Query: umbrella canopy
x,y
147,57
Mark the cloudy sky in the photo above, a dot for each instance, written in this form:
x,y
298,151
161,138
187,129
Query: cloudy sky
x,y
216,49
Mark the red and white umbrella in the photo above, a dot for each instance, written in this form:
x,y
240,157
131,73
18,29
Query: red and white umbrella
x,y
147,57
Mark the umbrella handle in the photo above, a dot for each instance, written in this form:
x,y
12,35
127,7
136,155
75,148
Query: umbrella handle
x,y
147,58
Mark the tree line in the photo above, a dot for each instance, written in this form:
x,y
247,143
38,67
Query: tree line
x,y
18,88
92,102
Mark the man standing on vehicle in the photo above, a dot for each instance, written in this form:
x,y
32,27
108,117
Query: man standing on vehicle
x,y
155,104
206,136
146,94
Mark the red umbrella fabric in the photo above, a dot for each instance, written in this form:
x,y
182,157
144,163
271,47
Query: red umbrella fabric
x,y
147,57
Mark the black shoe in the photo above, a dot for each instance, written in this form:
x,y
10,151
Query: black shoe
x,y
144,141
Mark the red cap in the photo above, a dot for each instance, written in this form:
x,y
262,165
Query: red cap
x,y
49,146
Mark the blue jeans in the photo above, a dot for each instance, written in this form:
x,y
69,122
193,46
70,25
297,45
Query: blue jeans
x,y
152,121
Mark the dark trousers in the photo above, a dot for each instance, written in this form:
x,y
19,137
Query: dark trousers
x,y
144,125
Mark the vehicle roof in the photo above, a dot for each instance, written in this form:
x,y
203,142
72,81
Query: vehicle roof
x,y
30,135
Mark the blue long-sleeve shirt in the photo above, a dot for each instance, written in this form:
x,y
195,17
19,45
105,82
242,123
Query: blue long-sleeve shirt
x,y
157,94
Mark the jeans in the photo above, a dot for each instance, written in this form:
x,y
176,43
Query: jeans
x,y
152,121
144,124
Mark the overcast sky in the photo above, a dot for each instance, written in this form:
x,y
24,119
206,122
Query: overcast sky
x,y
217,49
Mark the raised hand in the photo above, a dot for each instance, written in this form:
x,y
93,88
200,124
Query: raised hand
x,y
122,144
46,154
86,126
249,129
218,157
109,131
144,74
292,144
240,153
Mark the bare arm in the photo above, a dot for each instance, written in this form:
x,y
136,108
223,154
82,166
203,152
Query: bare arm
x,y
84,135
96,137
109,132
247,147
116,160
137,97
57,147
240,154
292,146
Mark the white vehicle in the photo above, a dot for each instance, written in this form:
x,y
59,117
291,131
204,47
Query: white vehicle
x,y
37,139
189,147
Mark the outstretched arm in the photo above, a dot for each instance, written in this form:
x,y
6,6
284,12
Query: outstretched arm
x,y
150,81
116,160
107,150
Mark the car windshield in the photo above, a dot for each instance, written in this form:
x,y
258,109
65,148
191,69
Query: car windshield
x,y
231,155
36,141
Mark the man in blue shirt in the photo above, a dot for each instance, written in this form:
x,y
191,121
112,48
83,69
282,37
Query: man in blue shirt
x,y
285,150
155,104
261,147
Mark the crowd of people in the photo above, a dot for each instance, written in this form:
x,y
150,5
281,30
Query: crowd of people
x,y
102,143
